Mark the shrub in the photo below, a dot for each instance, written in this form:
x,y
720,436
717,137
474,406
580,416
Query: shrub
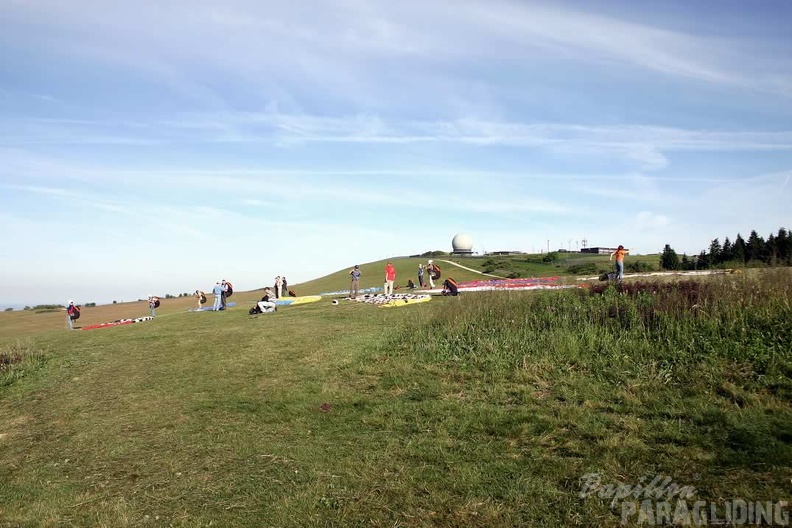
x,y
638,266
587,268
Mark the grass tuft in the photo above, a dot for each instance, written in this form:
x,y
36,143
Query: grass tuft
x,y
19,359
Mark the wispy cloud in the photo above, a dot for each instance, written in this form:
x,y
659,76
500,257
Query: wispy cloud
x,y
644,146
269,44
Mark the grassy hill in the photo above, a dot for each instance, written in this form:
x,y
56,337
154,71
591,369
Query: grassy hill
x,y
483,411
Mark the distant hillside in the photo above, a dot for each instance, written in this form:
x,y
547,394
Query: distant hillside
x,y
543,265
374,275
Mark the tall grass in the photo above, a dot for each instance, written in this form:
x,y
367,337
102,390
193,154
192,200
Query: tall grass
x,y
682,323
700,370
18,359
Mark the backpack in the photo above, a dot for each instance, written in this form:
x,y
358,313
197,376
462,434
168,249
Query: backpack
x,y
255,310
74,312
203,298
230,290
156,303
292,294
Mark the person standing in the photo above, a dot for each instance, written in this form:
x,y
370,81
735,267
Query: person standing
x,y
430,269
153,304
284,285
619,253
421,275
355,274
72,313
390,278
223,294
218,297
278,285
200,297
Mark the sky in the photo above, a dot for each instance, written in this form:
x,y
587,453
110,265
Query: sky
x,y
158,147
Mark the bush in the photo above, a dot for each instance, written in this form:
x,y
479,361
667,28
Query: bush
x,y
638,266
491,265
48,307
587,268
9,309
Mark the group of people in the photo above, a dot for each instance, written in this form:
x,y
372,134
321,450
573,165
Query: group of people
x,y
428,274
281,287
221,291
355,274
426,277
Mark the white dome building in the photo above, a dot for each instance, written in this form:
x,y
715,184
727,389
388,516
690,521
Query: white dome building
x,y
462,244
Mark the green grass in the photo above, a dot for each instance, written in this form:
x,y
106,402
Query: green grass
x,y
374,275
484,410
556,264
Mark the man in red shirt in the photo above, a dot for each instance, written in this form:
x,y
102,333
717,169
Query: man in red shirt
x,y
390,277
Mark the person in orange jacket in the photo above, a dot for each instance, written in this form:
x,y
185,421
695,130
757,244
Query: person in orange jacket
x,y
619,254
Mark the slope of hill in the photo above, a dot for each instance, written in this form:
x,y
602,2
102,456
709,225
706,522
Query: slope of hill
x,y
480,411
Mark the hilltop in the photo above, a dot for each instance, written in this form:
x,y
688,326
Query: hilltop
x,y
20,323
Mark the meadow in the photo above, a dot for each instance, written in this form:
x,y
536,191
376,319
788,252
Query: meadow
x,y
485,410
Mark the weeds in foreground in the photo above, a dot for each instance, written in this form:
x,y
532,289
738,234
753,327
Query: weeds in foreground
x,y
18,359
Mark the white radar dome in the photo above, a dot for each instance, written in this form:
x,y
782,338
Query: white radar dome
x,y
462,242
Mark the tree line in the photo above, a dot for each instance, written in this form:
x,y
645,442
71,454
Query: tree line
x,y
754,252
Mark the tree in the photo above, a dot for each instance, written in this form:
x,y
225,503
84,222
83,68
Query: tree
x,y
755,247
669,259
784,245
771,250
726,251
738,250
715,250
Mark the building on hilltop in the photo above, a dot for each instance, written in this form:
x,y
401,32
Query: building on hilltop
x,y
600,250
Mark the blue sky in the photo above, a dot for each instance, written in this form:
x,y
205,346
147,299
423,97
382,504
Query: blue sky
x,y
160,147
